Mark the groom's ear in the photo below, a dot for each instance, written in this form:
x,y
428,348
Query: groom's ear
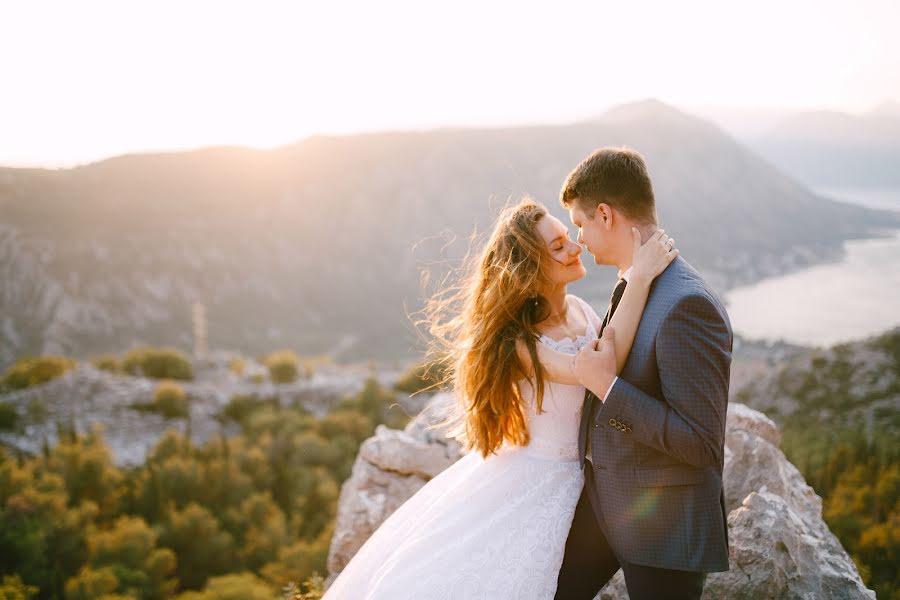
x,y
604,214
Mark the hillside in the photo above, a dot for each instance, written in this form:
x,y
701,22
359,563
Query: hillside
x,y
320,245
853,387
826,148
839,411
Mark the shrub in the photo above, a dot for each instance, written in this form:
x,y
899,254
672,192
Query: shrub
x,y
283,365
241,405
169,400
376,403
312,589
107,362
237,365
309,364
159,363
8,416
30,371
36,411
244,586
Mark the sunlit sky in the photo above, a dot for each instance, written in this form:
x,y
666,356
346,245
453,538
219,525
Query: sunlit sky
x,y
87,80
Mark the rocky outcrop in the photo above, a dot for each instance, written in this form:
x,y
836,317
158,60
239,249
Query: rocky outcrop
x,y
86,396
391,466
780,546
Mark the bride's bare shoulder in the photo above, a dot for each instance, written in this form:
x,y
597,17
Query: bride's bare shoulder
x,y
589,311
584,304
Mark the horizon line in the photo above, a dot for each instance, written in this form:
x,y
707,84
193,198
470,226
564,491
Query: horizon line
x,y
694,111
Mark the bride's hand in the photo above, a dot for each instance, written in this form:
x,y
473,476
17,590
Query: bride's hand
x,y
652,257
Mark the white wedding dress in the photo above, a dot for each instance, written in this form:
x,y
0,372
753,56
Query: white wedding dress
x,y
492,529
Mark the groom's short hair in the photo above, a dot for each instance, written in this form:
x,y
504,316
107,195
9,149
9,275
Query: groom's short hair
x,y
616,176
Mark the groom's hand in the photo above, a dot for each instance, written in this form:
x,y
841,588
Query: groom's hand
x,y
595,364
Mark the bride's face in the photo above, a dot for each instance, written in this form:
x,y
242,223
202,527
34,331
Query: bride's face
x,y
563,259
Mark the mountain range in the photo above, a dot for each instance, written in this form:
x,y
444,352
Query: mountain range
x,y
329,245
835,149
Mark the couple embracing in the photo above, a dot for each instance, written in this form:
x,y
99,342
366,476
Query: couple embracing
x,y
595,443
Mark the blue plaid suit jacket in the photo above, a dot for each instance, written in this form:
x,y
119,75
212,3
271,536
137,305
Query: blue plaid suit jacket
x,y
658,441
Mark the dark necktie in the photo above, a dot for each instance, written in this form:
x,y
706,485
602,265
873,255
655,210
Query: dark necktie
x,y
589,396
613,302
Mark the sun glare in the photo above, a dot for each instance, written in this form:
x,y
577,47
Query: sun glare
x,y
97,78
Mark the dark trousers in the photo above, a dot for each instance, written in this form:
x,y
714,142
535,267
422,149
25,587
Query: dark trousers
x,y
589,563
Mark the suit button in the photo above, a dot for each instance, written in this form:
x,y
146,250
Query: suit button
x,y
628,430
612,422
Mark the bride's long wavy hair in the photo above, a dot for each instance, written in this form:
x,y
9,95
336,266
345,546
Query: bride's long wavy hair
x,y
476,322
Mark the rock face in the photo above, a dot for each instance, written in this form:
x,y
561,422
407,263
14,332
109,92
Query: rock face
x,y
780,546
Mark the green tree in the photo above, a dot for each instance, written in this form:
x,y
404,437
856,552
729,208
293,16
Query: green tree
x,y
13,588
238,586
264,530
128,550
85,465
261,503
879,550
202,548
299,561
91,584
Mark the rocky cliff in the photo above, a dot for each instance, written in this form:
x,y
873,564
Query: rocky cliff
x,y
780,546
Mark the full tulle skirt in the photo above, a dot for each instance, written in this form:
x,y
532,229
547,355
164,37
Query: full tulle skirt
x,y
492,528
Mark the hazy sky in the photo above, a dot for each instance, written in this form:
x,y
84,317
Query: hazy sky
x,y
88,79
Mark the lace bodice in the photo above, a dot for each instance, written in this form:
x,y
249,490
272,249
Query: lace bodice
x,y
554,432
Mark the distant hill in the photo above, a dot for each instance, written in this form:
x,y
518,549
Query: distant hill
x,y
825,148
320,245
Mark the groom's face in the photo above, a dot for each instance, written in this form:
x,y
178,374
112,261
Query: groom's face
x,y
594,234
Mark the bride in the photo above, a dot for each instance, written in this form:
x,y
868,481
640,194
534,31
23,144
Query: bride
x,y
494,524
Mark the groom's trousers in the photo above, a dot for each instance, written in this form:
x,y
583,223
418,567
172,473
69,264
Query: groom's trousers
x,y
589,563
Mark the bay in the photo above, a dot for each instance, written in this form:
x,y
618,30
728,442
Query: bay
x,y
853,298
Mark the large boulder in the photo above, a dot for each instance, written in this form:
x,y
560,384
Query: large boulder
x,y
780,546
391,466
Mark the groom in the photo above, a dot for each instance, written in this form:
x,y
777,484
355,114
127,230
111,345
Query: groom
x,y
653,437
